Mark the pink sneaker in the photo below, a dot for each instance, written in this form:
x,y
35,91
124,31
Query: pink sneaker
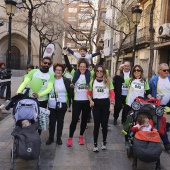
x,y
81,140
69,142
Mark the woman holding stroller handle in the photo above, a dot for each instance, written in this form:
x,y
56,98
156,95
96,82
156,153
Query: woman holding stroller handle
x,y
137,86
57,103
101,88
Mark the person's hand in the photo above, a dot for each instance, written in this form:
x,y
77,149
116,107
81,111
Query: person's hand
x,y
35,95
65,50
91,103
155,130
102,53
121,66
111,108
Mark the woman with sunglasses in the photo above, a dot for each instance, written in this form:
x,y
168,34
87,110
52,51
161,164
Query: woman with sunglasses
x,y
101,88
137,86
57,103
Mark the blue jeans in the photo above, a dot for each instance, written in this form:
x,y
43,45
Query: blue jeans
x,y
2,91
164,138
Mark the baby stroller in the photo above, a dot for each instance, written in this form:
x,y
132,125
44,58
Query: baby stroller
x,y
144,146
27,142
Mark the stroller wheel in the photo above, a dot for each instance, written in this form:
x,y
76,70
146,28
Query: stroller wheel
x,y
136,106
129,152
159,111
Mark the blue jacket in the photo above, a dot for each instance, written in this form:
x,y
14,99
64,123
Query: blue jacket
x,y
153,85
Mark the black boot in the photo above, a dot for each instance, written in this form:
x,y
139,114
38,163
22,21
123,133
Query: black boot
x,y
49,141
59,141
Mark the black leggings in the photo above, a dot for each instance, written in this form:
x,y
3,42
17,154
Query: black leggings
x,y
79,107
118,107
56,115
101,116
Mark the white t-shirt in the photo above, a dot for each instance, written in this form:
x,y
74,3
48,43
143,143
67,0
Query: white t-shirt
x,y
80,90
100,91
144,129
87,56
136,89
61,93
124,86
163,88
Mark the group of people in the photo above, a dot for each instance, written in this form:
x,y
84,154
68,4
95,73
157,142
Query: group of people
x,y
130,83
93,88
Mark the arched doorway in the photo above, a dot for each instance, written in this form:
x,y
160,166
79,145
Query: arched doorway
x,y
15,58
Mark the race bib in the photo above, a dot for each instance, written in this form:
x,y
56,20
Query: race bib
x,y
99,90
124,86
81,88
52,97
137,86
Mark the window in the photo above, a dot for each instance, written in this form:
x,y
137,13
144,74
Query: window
x,y
103,15
72,19
73,10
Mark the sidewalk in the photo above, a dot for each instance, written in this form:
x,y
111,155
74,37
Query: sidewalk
x,y
54,157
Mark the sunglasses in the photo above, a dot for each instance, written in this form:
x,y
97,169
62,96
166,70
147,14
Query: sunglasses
x,y
47,63
165,70
136,70
100,71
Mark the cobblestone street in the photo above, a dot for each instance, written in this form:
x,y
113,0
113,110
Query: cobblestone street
x,y
78,157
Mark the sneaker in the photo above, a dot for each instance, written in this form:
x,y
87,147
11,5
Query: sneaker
x,y
95,149
167,147
69,142
59,141
81,140
103,146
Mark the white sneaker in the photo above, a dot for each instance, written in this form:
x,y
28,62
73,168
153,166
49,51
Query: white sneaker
x,y
95,149
103,147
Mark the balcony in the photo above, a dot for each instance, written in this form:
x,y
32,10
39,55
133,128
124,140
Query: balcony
x,y
143,37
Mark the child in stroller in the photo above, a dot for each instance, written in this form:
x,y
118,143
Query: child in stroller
x,y
27,142
144,140
143,125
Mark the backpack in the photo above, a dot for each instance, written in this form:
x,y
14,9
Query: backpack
x,y
27,142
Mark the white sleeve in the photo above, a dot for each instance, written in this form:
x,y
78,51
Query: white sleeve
x,y
76,55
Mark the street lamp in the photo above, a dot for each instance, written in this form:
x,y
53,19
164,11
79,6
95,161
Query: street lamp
x,y
101,43
136,15
10,10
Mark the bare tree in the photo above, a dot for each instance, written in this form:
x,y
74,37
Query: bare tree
x,y
86,27
47,21
124,33
30,6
